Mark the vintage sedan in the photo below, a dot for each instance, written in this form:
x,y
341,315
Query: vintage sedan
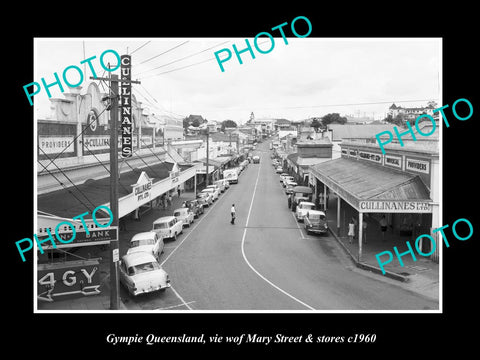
x,y
315,222
140,273
169,227
211,191
289,187
279,169
303,208
149,242
195,206
185,215
206,199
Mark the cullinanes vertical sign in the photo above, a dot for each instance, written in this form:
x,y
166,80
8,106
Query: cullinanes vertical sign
x,y
126,106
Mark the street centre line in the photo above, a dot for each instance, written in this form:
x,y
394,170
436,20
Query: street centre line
x,y
243,248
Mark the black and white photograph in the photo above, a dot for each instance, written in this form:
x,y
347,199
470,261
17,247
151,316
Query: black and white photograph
x,y
280,186
234,189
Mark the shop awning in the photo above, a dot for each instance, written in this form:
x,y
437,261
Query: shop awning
x,y
75,200
371,188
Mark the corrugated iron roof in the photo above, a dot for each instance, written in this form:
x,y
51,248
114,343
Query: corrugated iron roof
x,y
367,181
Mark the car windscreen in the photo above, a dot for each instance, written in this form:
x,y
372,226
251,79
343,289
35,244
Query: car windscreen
x,y
316,217
162,225
142,268
141,242
177,213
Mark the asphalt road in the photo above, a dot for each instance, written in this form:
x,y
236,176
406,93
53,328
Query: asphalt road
x,y
265,261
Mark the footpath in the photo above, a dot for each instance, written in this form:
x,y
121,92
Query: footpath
x,y
421,276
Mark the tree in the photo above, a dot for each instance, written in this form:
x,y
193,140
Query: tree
x,y
228,124
333,118
316,124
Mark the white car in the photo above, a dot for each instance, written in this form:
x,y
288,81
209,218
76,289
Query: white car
x,y
289,187
169,227
303,208
279,169
140,273
222,184
287,178
205,198
185,215
149,242
211,191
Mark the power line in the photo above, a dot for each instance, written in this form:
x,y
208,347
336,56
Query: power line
x,y
183,58
187,66
153,57
140,47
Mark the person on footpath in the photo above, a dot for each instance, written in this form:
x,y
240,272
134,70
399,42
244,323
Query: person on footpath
x,y
232,213
351,231
383,226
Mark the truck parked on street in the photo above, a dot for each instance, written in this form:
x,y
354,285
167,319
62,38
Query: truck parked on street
x,y
231,175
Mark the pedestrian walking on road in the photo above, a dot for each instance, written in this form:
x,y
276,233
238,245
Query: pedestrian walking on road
x,y
232,213
351,231
289,201
179,191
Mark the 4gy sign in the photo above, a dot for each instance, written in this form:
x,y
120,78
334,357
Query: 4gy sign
x,y
255,42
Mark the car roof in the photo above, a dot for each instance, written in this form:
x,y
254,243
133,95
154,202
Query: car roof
x,y
164,219
144,235
307,203
181,209
316,212
138,258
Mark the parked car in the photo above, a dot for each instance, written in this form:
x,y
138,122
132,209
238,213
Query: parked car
x,y
287,178
206,199
148,241
140,273
279,169
222,184
289,187
315,222
282,175
303,208
256,159
212,191
185,215
215,187
195,206
168,227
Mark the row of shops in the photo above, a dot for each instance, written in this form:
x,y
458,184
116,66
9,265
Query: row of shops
x,y
401,187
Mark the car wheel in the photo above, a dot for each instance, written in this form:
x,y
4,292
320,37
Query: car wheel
x,y
174,237
162,290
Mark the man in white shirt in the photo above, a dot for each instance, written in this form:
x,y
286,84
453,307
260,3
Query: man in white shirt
x,y
232,212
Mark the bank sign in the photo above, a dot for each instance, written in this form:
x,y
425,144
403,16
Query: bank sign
x,y
390,206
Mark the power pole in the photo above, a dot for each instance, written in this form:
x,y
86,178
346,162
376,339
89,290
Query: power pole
x,y
206,169
114,250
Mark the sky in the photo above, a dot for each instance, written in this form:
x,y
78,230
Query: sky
x,y
305,78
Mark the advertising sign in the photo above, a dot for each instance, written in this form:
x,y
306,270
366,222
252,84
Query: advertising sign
x,y
126,106
68,279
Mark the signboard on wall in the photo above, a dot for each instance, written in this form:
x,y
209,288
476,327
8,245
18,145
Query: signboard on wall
x,y
67,279
400,206
126,106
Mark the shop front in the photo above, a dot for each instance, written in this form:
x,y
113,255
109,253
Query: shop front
x,y
365,184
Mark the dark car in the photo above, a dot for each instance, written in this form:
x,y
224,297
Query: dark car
x,y
315,222
195,206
